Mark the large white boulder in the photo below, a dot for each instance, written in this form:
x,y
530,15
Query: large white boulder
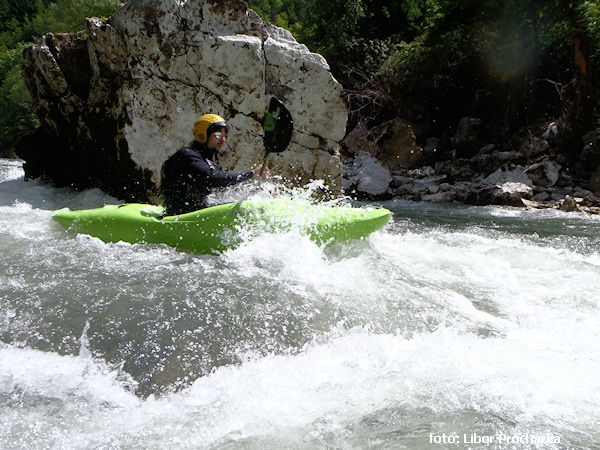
x,y
151,69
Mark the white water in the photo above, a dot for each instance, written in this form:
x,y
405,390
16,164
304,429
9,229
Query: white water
x,y
456,324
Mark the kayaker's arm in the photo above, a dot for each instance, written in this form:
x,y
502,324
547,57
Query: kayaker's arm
x,y
221,178
212,175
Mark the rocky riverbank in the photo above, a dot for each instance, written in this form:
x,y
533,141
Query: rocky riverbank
x,y
533,174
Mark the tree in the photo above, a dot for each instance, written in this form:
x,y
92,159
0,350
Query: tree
x,y
359,33
20,10
15,102
68,16
507,62
283,13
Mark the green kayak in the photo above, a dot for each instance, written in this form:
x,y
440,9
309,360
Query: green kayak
x,y
224,226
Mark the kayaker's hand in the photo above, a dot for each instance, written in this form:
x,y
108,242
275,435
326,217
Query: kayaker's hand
x,y
259,174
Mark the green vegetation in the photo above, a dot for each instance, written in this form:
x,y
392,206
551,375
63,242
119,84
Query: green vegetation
x,y
511,63
508,62
287,14
23,22
15,102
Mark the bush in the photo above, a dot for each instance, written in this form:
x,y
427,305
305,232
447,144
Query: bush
x,y
509,62
15,101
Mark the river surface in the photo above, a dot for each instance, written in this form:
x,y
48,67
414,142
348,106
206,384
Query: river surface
x,y
453,327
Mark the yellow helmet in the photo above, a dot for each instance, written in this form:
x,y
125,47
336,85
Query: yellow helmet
x,y
206,125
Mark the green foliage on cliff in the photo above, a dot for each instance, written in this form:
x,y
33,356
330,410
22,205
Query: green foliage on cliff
x,y
346,32
15,102
287,14
23,22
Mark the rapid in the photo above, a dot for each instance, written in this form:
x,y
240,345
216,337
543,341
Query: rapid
x,y
453,327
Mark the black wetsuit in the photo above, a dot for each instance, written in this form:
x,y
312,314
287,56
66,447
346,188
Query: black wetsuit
x,y
189,176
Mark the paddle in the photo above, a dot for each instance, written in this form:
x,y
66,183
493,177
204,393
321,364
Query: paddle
x,y
278,126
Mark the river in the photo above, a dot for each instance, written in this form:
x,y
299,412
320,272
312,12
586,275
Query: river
x,y
453,327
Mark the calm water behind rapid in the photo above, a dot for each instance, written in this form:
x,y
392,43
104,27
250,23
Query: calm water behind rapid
x,y
454,327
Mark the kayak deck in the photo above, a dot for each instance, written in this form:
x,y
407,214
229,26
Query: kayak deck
x,y
218,228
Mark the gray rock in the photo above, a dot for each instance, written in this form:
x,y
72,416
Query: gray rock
x,y
534,146
503,187
508,193
367,176
591,148
500,177
545,173
466,137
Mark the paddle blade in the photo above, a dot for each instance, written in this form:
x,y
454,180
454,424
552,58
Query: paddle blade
x,y
278,126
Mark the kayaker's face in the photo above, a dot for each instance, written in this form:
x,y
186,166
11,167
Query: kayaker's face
x,y
216,140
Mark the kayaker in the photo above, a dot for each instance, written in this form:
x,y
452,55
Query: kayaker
x,y
191,174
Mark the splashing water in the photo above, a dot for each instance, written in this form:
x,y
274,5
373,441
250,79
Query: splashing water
x,y
454,327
